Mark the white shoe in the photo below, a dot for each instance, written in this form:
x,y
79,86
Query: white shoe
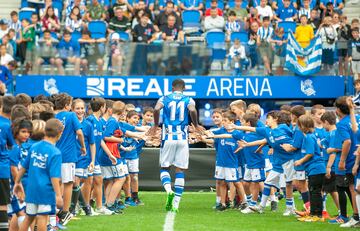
x,y
289,212
104,211
257,208
268,203
247,210
349,224
93,213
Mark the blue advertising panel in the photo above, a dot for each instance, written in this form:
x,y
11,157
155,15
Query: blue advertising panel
x,y
200,87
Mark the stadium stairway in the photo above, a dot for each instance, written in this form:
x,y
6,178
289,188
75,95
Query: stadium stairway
x,y
352,9
7,6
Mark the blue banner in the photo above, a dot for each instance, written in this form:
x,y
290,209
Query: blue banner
x,y
201,87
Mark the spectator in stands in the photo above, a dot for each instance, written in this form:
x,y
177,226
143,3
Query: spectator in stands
x,y
264,40
286,12
241,12
238,55
355,23
329,37
141,4
254,17
265,10
3,28
12,40
117,54
171,31
119,23
214,5
336,21
344,35
233,25
6,78
254,3
124,5
329,10
50,21
304,32
337,6
162,19
92,51
253,54
48,3
315,20
5,58
354,52
95,12
137,18
68,52
276,4
162,4
46,51
36,25
305,9
74,21
214,22
144,32
5,41
75,3
192,5
27,44
313,4
14,22
280,48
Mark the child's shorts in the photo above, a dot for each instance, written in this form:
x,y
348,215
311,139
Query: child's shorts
x,y
113,172
254,175
67,172
82,173
15,206
227,174
300,175
355,66
289,171
36,209
133,165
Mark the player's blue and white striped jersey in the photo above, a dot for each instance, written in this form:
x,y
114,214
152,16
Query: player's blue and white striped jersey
x,y
175,116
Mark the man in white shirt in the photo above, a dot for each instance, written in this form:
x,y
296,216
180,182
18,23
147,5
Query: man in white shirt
x,y
3,28
214,22
5,58
265,10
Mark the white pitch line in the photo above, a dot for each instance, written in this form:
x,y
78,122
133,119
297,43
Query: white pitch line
x,y
169,221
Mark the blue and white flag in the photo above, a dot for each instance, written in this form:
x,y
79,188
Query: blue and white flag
x,y
303,61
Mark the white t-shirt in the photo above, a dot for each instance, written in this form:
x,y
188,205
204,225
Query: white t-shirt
x,y
265,11
4,60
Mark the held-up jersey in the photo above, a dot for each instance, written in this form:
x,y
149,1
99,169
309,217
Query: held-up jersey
x,y
175,116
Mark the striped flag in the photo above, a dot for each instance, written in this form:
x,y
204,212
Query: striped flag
x,y
303,61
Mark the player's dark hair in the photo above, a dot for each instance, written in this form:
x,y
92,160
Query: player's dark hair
x,y
298,110
96,103
148,109
178,84
284,118
217,110
23,99
19,111
285,107
274,114
229,115
306,124
316,107
13,13
330,117
232,13
109,103
341,104
53,128
46,115
40,97
251,118
19,124
62,100
356,81
131,114
8,102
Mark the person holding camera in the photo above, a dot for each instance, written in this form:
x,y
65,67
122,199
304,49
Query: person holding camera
x,y
329,37
354,52
344,34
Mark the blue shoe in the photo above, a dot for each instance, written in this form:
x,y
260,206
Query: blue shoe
x,y
120,205
130,202
60,227
114,209
339,220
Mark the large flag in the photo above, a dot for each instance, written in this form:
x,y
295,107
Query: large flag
x,y
303,61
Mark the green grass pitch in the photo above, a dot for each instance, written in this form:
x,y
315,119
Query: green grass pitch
x,y
196,214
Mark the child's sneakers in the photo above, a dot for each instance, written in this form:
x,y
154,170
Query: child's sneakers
x,y
129,202
220,208
339,220
351,223
247,211
289,212
257,208
274,206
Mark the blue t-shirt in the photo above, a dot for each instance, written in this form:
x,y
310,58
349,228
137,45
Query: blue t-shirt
x,y
6,141
315,165
24,152
5,75
226,156
298,138
68,49
42,164
280,3
111,126
330,141
252,159
285,13
336,3
321,135
275,137
67,141
128,142
191,3
87,129
98,129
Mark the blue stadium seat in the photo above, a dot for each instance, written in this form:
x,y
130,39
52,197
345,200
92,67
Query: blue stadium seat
x,y
24,3
215,39
75,36
242,36
287,26
220,4
191,18
124,36
59,6
97,29
26,13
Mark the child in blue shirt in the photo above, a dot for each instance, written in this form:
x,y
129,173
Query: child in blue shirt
x,y
287,12
43,165
314,167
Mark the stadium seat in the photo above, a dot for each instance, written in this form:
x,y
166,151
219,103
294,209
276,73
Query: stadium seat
x,y
215,39
287,26
75,36
97,29
191,18
59,6
24,3
124,36
220,4
26,13
242,36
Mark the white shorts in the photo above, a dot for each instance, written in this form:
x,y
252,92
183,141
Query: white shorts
x,y
282,181
273,179
96,172
355,66
113,172
15,206
82,173
289,171
35,209
67,172
227,174
254,175
300,175
176,153
241,172
133,166
268,165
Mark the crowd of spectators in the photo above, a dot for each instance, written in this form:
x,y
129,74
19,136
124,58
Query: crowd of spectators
x,y
60,36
